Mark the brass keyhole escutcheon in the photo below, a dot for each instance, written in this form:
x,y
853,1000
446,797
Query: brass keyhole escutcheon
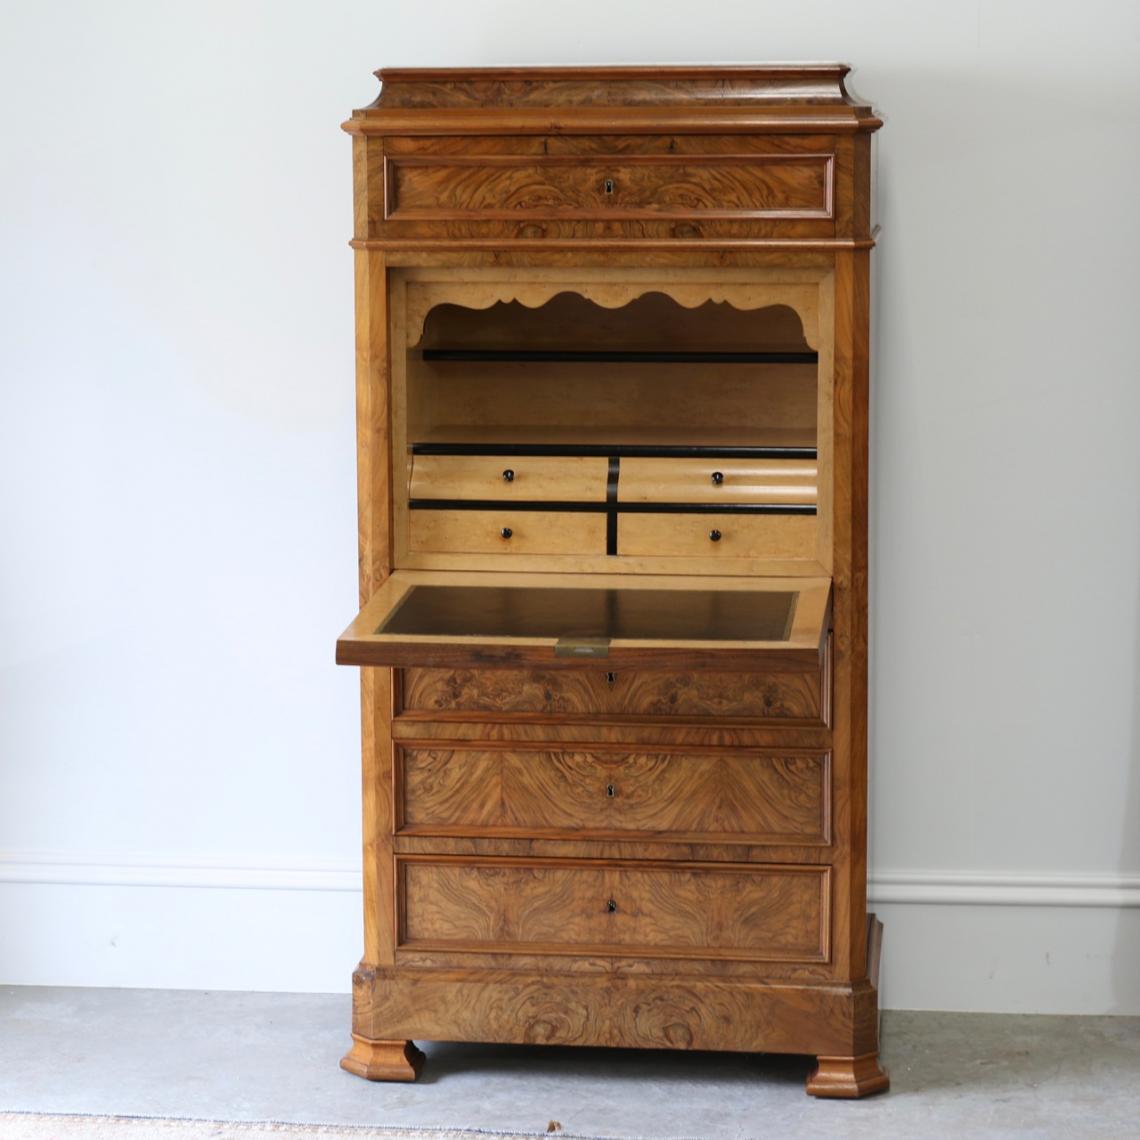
x,y
611,906
508,476
608,186
506,532
714,536
611,791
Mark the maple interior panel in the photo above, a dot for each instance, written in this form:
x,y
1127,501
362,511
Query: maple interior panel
x,y
718,480
575,372
503,530
546,477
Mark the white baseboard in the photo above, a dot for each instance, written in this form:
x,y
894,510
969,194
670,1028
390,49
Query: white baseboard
x,y
927,888
996,941
74,869
1003,888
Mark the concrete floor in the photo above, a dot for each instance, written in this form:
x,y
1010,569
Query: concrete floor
x,y
244,1056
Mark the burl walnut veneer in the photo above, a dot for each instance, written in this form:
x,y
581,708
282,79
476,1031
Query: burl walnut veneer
x,y
612,436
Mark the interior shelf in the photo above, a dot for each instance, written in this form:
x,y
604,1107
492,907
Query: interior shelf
x,y
617,356
568,439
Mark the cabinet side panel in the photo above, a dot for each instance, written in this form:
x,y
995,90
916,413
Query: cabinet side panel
x,y
850,611
373,466
376,799
372,422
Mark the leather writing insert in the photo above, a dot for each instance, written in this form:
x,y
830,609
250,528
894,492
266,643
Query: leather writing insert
x,y
635,615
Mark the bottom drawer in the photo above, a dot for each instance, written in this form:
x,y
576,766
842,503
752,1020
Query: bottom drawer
x,y
733,911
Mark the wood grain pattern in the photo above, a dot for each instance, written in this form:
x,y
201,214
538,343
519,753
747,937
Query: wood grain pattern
x,y
603,435
631,1011
718,480
635,909
766,100
566,478
799,649
770,404
569,320
764,798
734,843
616,692
638,403
509,187
718,536
610,229
794,288
724,848
527,532
633,733
383,1060
609,86
848,1077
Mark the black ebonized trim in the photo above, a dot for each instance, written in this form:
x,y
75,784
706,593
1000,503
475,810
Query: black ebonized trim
x,y
616,356
641,451
577,506
717,508
613,472
559,505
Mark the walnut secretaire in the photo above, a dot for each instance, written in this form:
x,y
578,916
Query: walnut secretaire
x,y
612,430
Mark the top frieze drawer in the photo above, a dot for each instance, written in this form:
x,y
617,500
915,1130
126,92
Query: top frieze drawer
x,y
620,188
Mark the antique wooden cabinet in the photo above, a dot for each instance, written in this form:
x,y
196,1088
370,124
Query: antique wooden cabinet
x,y
612,432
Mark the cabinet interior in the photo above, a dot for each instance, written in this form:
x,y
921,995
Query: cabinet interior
x,y
656,425
577,373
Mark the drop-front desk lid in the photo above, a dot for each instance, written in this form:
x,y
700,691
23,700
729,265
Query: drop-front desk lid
x,y
455,618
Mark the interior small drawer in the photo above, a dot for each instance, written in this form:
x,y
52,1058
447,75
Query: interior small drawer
x,y
538,478
786,481
799,698
728,911
506,532
737,796
718,535
513,187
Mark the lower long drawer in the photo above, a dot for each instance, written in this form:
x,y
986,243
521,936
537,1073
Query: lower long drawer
x,y
728,911
726,796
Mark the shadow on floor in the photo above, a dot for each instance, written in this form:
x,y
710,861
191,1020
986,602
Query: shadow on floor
x,y
635,1066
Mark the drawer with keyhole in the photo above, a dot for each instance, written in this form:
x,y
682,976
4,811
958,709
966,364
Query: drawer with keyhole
x,y
751,912
777,797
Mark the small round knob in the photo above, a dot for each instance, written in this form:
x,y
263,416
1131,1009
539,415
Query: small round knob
x,y
717,478
611,906
714,535
508,476
506,532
